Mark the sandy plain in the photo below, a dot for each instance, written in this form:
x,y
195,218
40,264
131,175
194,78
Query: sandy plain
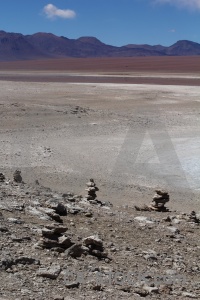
x,y
131,124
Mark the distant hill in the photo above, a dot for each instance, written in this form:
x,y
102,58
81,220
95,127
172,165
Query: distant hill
x,y
184,48
16,46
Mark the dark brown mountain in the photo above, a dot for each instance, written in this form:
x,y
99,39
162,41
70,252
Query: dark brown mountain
x,y
183,48
157,48
15,46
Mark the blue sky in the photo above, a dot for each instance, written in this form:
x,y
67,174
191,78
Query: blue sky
x,y
115,22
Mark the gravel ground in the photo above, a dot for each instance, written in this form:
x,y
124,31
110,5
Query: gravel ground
x,y
63,247
131,138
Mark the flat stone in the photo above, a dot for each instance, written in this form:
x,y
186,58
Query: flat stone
x,y
3,229
51,213
26,260
58,297
47,243
93,240
58,207
173,229
56,228
64,241
189,295
15,221
76,250
98,253
48,232
74,209
51,272
144,220
35,212
170,272
72,285
6,262
150,289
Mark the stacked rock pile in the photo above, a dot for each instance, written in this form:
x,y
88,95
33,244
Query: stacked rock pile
x,y
95,246
158,203
2,177
53,236
91,190
17,176
159,200
194,218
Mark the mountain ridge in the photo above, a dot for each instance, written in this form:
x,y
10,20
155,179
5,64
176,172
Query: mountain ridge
x,y
40,45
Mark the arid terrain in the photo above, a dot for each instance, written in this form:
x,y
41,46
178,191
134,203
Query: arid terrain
x,y
131,124
67,125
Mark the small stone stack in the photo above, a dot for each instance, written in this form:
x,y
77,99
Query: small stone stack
x,y
194,218
17,176
91,190
95,246
159,200
53,236
2,177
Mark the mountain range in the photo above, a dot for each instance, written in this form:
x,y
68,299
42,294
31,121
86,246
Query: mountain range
x,y
16,46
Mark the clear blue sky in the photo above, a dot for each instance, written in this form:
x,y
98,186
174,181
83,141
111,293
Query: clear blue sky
x,y
115,22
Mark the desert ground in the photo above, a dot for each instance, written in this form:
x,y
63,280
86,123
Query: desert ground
x,y
64,122
132,124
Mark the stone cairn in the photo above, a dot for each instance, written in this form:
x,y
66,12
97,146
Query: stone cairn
x,y
193,218
159,201
157,204
17,176
91,190
2,177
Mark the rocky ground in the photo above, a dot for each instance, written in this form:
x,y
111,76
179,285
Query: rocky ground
x,y
63,246
133,139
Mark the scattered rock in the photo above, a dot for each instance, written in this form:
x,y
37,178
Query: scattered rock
x,y
26,260
15,221
57,297
36,250
76,250
93,240
145,220
36,212
58,207
2,177
51,213
3,229
56,228
51,272
173,229
189,295
72,285
88,214
6,262
150,289
17,176
64,241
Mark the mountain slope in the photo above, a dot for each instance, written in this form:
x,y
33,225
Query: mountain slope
x,y
15,46
184,48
